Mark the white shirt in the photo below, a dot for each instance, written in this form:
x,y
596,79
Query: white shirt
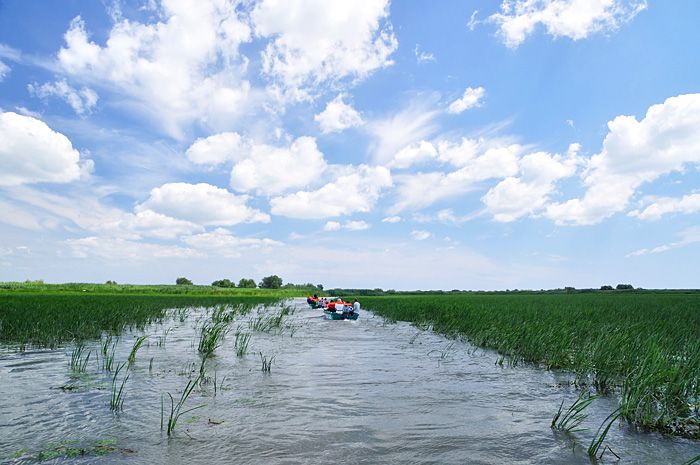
x,y
356,307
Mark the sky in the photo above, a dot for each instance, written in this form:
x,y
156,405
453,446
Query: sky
x,y
472,145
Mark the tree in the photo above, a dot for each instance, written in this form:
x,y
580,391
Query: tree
x,y
270,282
606,288
183,282
624,287
247,283
223,283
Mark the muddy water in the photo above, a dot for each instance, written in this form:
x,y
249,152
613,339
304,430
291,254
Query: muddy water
x,y
365,391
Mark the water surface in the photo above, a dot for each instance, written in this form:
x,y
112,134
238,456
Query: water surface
x,y
363,391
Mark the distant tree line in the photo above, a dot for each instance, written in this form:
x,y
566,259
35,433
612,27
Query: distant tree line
x,y
268,282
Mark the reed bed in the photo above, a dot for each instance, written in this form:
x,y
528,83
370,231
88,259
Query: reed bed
x,y
49,320
645,347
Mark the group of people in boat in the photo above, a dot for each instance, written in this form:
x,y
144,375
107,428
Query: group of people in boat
x,y
345,308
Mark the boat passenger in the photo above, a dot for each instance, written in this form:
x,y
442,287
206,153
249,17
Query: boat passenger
x,y
355,308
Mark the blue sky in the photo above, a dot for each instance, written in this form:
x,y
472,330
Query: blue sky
x,y
520,144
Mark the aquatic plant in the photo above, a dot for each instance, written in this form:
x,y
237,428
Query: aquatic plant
x,y
266,363
643,347
176,407
241,343
570,420
212,336
77,362
135,348
116,401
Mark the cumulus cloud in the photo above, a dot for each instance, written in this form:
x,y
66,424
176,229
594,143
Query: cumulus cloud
x,y
225,244
575,19
349,225
216,149
147,223
271,170
420,235
120,250
635,152
81,101
316,41
528,194
471,98
477,161
184,67
349,193
659,206
338,116
31,152
201,204
391,219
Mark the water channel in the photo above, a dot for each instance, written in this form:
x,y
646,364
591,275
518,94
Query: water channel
x,y
365,391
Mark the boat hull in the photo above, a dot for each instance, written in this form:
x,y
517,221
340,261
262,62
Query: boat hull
x,y
339,316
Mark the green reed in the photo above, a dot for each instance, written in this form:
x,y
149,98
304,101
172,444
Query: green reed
x,y
137,345
77,362
116,401
570,419
176,408
212,336
266,362
643,347
50,319
241,343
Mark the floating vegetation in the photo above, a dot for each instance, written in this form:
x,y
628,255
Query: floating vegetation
x,y
70,448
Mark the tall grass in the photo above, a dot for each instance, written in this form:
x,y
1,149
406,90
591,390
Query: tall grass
x,y
48,320
644,347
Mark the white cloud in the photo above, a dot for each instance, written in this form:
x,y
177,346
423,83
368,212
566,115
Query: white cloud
x,y
409,126
349,225
391,219
202,204
576,19
81,101
470,99
635,152
478,161
422,57
338,116
420,235
223,243
331,226
216,149
4,71
31,152
528,194
118,250
413,154
272,170
350,193
688,237
660,206
147,223
321,42
185,67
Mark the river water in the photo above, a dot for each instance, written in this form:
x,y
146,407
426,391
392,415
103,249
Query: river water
x,y
364,391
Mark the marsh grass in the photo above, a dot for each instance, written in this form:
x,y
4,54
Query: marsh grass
x,y
176,407
77,362
241,343
116,402
645,348
570,419
135,348
266,362
212,336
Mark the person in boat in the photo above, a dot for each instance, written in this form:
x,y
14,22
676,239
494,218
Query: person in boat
x,y
315,297
341,307
355,308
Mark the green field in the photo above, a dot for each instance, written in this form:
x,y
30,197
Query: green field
x,y
643,347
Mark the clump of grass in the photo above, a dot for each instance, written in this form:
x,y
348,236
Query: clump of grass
x,y
241,343
266,363
116,402
176,408
570,420
77,362
135,348
109,347
212,336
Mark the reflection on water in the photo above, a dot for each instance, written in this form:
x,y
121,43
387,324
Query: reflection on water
x,y
360,391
